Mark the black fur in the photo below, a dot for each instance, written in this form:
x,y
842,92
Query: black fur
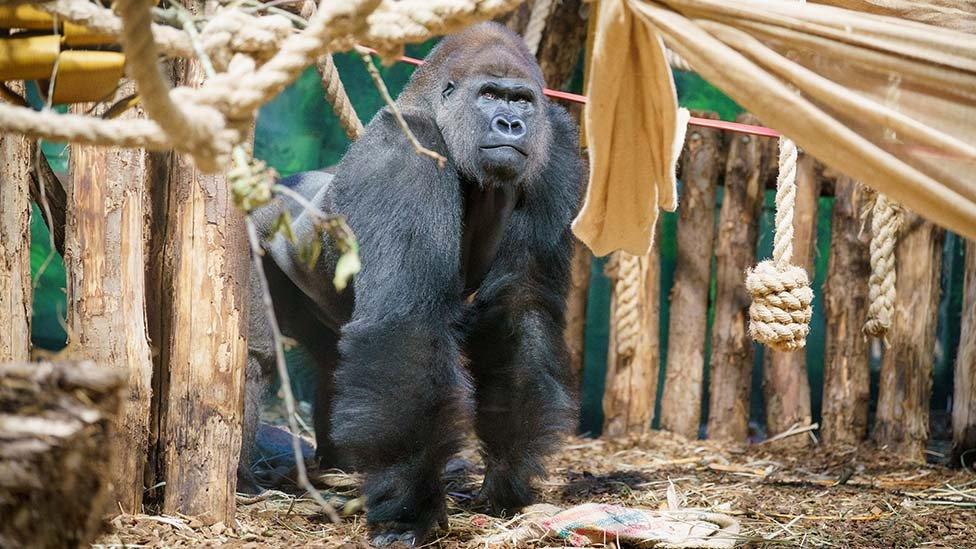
x,y
415,361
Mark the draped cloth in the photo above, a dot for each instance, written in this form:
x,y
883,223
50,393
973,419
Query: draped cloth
x,y
887,101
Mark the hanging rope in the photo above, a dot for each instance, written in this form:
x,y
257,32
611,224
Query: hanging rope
x,y
781,295
335,94
625,271
537,23
886,222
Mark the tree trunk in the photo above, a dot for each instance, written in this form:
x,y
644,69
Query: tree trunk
x,y
562,40
902,422
629,398
575,330
964,394
732,349
104,259
701,165
846,390
786,387
202,329
15,274
55,460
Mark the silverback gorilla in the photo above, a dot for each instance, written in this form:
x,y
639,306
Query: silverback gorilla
x,y
457,314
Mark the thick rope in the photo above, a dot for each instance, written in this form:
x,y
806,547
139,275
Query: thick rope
x,y
537,23
886,222
625,270
782,299
335,94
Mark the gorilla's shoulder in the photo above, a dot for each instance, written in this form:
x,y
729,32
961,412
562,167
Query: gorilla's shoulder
x,y
308,183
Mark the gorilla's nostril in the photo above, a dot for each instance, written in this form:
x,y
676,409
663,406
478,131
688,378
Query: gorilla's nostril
x,y
510,127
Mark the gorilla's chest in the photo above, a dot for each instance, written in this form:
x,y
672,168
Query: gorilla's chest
x,y
487,213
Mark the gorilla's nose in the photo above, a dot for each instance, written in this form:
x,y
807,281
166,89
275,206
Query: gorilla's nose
x,y
511,127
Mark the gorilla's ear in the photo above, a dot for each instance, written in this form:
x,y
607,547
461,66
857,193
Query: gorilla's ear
x,y
448,89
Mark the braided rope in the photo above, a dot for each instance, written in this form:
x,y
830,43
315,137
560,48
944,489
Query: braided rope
x,y
625,270
335,94
782,299
886,222
537,23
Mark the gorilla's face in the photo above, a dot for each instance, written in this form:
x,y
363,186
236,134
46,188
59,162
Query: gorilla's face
x,y
496,128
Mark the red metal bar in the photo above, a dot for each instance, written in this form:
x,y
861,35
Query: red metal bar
x,y
695,121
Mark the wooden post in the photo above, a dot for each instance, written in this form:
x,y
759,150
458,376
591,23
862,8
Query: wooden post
x,y
732,349
15,274
846,390
902,422
964,392
203,283
55,434
786,387
562,41
631,390
701,166
104,259
576,308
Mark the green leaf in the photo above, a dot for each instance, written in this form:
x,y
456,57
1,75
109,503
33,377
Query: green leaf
x,y
347,266
283,225
309,254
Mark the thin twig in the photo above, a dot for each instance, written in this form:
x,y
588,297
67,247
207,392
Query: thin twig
x,y
256,254
367,58
794,430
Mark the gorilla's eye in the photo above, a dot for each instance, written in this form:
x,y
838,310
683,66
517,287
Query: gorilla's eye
x,y
448,90
523,102
488,95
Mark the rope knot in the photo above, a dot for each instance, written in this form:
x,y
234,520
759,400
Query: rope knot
x,y
234,31
782,305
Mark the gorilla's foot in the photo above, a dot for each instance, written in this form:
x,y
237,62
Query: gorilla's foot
x,y
386,538
505,492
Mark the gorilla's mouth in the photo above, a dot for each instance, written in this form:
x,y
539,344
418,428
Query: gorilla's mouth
x,y
496,147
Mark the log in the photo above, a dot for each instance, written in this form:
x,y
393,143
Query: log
x,y
701,165
902,422
15,274
631,387
786,387
104,259
731,361
964,392
846,390
55,427
201,329
575,330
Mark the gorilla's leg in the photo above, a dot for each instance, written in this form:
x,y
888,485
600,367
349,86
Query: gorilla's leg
x,y
256,388
523,406
401,402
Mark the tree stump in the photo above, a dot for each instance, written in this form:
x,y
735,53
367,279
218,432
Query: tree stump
x,y
846,391
56,424
701,166
735,251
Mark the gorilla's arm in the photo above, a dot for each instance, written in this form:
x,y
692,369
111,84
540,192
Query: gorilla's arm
x,y
400,391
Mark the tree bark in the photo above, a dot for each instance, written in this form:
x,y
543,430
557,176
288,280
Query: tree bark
x,y
786,387
202,329
15,274
846,390
575,330
55,434
732,349
562,40
104,259
902,422
964,393
631,389
701,166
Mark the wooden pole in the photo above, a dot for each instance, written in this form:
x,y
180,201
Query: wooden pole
x,y
902,422
15,274
738,228
964,392
203,283
55,435
701,166
575,330
104,259
786,387
846,390
631,389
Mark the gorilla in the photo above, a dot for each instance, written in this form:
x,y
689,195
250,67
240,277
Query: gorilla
x,y
456,318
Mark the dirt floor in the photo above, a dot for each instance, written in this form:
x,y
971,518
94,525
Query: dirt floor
x,y
853,498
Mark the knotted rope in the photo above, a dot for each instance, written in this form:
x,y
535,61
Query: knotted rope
x,y
625,270
781,295
886,222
